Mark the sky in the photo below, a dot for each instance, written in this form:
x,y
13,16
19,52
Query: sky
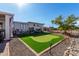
x,y
40,12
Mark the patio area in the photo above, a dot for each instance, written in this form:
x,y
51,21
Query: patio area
x,y
4,48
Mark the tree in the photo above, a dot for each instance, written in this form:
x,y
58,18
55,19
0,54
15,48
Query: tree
x,y
58,21
52,28
67,24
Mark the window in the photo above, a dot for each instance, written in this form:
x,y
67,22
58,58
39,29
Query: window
x,y
2,16
1,25
37,24
34,25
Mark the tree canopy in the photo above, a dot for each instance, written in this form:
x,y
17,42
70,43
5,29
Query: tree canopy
x,y
65,24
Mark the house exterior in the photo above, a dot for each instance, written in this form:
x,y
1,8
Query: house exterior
x,y
35,26
8,26
20,27
6,21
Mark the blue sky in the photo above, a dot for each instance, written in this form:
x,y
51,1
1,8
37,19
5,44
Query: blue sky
x,y
41,13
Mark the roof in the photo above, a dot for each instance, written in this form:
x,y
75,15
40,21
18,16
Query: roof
x,y
19,22
6,13
36,23
27,22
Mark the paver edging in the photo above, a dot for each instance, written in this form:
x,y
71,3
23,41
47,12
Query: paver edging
x,y
28,47
8,50
49,47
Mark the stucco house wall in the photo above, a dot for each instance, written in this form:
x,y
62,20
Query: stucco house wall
x,y
20,26
25,26
7,20
35,25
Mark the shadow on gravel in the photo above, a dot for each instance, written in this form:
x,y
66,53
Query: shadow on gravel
x,y
2,46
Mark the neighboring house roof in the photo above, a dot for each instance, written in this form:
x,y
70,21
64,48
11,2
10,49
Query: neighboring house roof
x,y
35,23
19,22
27,22
6,13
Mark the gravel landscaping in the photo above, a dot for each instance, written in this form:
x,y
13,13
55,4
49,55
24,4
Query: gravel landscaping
x,y
17,48
59,49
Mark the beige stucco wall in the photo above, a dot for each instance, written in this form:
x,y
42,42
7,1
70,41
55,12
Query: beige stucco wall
x,y
37,25
24,26
7,22
20,25
8,27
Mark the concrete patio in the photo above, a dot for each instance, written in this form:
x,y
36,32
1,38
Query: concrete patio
x,y
4,48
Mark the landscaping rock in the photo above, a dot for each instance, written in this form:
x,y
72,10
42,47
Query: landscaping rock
x,y
17,48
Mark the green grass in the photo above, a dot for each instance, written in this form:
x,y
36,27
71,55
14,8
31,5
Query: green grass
x,y
44,38
41,42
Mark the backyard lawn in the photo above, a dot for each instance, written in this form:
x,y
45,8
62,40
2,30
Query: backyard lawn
x,y
41,42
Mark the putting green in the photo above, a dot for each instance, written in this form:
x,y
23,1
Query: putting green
x,y
40,42
44,38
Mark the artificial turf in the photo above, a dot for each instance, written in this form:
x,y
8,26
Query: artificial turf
x,y
41,42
